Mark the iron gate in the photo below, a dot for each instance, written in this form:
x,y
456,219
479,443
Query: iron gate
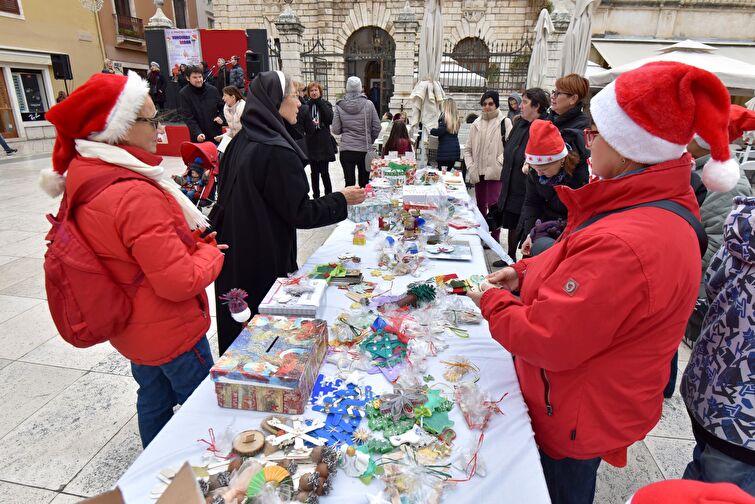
x,y
315,65
476,67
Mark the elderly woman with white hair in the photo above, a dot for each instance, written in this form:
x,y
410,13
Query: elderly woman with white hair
x,y
143,232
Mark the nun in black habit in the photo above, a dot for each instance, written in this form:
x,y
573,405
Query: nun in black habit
x,y
264,198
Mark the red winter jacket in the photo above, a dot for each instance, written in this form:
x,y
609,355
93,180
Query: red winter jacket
x,y
136,227
602,313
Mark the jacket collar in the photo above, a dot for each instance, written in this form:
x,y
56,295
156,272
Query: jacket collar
x,y
668,180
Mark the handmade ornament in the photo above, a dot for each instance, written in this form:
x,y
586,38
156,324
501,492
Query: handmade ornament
x,y
457,368
401,402
249,443
298,432
476,407
274,476
305,297
415,436
354,462
343,404
385,348
336,274
411,482
235,300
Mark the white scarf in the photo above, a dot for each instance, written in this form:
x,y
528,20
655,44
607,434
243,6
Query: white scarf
x,y
120,157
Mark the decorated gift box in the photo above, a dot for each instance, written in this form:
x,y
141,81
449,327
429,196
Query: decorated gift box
x,y
398,171
302,297
272,365
369,209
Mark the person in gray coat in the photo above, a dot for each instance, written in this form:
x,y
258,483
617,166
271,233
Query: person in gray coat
x,y
355,119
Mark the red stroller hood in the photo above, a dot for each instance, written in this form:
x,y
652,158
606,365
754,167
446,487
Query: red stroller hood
x,y
207,151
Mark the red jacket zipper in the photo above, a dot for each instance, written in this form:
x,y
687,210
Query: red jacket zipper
x,y
547,392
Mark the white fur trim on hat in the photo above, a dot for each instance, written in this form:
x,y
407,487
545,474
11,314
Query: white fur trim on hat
x,y
534,159
52,182
700,141
126,109
721,176
627,137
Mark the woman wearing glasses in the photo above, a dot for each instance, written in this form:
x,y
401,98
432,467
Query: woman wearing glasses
x,y
601,313
144,232
568,102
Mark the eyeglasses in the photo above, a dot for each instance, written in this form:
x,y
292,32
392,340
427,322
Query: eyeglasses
x,y
590,135
153,121
555,93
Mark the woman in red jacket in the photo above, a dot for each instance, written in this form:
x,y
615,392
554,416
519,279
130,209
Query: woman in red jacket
x,y
602,312
141,230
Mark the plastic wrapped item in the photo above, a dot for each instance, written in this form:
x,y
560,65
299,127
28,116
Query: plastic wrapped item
x,y
476,406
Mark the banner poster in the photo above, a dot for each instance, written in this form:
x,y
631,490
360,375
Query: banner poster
x,y
183,47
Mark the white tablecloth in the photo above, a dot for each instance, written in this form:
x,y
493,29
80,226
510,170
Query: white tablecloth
x,y
509,451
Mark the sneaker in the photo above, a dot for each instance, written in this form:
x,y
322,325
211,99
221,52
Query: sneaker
x,y
11,152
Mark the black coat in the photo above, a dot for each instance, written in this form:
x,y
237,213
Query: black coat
x,y
221,79
448,143
199,107
541,201
320,146
303,127
513,181
262,201
573,118
157,86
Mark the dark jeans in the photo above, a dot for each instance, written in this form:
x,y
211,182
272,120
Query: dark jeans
x,y
713,466
4,145
570,481
351,160
671,385
319,170
162,387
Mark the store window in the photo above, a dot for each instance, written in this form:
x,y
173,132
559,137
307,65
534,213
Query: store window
x,y
179,9
29,87
10,7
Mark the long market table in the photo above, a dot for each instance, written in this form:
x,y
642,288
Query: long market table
x,y
509,451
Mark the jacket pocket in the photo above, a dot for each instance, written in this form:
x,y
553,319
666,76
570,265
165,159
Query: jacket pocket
x,y
546,392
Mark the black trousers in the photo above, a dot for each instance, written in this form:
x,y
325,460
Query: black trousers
x,y
351,160
319,169
570,481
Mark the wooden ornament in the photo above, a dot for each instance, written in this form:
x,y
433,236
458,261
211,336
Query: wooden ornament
x,y
305,483
234,465
269,428
249,443
316,455
323,470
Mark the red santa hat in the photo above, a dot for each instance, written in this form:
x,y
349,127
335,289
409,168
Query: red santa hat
x,y
740,120
690,492
650,114
545,144
102,109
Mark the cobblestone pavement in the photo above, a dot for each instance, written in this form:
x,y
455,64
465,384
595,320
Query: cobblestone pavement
x,y
68,427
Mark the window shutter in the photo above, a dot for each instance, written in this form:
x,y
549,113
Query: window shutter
x,y
10,6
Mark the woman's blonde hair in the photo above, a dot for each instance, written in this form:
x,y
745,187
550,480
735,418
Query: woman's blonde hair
x,y
451,116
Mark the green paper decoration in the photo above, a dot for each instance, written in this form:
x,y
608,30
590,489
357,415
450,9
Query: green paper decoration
x,y
425,292
437,423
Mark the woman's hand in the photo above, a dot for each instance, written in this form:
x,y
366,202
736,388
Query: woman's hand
x,y
525,168
218,120
475,295
353,194
218,138
506,278
527,246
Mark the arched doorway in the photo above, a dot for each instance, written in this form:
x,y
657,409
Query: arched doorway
x,y
370,54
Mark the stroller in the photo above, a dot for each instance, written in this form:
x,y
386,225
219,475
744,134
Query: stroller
x,y
208,153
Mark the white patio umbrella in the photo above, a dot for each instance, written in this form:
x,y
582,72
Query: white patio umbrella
x,y
735,74
539,59
427,95
453,75
577,40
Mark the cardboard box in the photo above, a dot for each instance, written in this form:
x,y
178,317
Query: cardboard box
x,y
279,302
369,209
182,490
272,365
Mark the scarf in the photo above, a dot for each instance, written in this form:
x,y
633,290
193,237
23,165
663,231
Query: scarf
x,y
487,116
557,179
261,120
114,155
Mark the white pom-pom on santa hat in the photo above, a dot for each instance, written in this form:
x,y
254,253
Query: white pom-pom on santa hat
x,y
650,114
52,182
721,176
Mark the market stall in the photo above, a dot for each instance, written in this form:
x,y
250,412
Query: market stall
x,y
497,461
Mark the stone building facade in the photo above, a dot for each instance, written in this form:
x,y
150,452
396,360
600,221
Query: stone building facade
x,y
379,41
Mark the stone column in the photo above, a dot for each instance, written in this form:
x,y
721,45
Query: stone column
x,y
405,32
290,31
555,47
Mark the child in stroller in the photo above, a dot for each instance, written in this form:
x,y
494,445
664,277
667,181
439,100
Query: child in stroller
x,y
204,158
193,181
